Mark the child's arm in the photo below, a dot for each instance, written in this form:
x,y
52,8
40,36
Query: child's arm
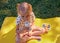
x,y
32,17
17,28
17,23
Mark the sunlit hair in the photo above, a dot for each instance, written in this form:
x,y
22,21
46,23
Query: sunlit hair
x,y
20,6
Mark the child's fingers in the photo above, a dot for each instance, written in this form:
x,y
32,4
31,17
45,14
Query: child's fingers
x,y
24,34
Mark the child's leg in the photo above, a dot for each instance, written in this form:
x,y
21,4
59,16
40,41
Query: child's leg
x,y
37,30
35,37
35,33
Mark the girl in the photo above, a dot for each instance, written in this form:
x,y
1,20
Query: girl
x,y
25,24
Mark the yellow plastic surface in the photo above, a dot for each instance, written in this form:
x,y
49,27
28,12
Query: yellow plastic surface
x,y
7,32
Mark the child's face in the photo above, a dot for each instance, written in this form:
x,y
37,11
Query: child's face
x,y
23,8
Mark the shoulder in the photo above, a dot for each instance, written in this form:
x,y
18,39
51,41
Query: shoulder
x,y
32,14
19,18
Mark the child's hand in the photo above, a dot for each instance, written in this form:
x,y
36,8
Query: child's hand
x,y
27,36
24,39
24,34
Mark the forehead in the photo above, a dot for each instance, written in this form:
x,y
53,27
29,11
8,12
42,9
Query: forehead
x,y
24,4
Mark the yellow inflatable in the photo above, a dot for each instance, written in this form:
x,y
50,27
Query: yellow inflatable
x,y
7,32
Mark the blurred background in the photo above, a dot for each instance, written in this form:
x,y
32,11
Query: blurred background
x,y
42,8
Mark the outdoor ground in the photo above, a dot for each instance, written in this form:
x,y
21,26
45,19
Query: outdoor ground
x,y
7,32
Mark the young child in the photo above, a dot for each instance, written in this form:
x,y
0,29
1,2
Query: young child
x,y
25,19
25,23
